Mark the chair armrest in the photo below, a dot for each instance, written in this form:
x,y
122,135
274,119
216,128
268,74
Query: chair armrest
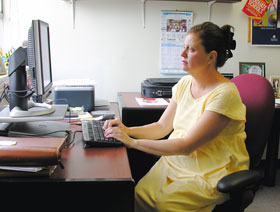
x,y
239,181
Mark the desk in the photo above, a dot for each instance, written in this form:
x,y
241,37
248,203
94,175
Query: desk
x,y
132,114
94,177
272,151
135,115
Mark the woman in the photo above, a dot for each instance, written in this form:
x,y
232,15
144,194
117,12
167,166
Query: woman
x,y
207,118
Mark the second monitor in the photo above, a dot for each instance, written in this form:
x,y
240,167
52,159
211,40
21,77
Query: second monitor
x,y
38,58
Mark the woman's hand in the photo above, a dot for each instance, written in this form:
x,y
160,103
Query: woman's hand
x,y
114,122
116,129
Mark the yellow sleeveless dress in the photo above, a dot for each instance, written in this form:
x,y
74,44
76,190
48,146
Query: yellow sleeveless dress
x,y
188,183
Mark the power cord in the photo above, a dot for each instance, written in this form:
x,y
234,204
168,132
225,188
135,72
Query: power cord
x,y
68,144
42,134
5,93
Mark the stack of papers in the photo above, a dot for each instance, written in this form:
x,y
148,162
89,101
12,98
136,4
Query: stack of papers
x,y
151,101
23,169
16,171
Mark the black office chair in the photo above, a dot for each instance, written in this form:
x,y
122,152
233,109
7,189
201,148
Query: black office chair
x,y
258,96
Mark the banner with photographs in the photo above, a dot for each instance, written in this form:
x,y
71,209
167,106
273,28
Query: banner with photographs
x,y
174,27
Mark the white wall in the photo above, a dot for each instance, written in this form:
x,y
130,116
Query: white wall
x,y
109,43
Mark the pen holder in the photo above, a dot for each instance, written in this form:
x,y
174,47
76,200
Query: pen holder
x,y
5,61
3,69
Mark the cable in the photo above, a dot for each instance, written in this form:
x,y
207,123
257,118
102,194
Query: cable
x,y
68,144
6,89
68,133
41,135
5,93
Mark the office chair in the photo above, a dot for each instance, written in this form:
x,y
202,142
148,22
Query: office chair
x,y
258,96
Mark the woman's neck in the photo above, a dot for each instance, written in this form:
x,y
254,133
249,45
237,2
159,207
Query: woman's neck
x,y
205,82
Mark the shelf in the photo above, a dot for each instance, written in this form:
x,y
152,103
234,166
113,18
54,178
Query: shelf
x,y
209,2
218,1
73,2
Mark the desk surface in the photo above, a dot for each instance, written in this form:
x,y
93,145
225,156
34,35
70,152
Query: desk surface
x,y
89,164
127,99
92,178
93,163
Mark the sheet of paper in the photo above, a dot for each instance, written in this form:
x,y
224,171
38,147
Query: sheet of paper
x,y
85,115
153,102
22,169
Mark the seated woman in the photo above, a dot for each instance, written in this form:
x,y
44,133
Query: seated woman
x,y
207,117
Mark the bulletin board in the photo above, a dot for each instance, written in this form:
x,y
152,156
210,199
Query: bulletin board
x,y
174,27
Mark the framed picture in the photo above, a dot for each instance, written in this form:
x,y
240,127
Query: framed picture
x,y
275,81
252,68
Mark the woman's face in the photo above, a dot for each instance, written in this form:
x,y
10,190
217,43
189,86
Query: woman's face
x,y
195,57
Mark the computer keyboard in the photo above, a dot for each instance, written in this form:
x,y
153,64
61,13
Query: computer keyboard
x,y
93,135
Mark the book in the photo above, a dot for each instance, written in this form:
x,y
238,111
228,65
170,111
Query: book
x,y
255,9
30,152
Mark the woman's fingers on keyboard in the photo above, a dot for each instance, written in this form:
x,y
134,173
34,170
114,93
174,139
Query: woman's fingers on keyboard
x,y
105,126
111,123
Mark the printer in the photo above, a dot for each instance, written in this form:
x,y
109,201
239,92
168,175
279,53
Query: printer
x,y
75,93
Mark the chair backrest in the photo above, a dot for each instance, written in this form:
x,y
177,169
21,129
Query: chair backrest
x,y
258,96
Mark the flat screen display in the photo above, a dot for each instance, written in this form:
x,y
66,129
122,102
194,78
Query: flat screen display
x,y
45,55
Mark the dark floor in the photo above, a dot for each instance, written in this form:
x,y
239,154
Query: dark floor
x,y
267,199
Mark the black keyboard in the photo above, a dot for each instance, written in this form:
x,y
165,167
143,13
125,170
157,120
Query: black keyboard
x,y
93,135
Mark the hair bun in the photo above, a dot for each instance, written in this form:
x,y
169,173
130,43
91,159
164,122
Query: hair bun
x,y
229,42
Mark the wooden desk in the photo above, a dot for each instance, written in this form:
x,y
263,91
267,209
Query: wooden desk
x,y
272,151
135,115
132,114
93,177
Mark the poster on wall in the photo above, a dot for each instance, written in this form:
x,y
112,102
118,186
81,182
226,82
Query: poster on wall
x,y
266,32
174,27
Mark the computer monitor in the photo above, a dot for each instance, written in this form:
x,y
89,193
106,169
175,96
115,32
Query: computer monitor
x,y
37,57
39,60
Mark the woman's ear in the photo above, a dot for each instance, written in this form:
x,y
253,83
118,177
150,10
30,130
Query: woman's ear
x,y
213,57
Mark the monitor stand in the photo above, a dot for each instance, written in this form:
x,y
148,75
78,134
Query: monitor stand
x,y
58,114
34,109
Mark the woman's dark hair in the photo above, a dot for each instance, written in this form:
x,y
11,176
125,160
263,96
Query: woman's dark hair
x,y
215,38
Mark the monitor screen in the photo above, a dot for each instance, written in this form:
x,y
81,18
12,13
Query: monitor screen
x,y
46,62
39,60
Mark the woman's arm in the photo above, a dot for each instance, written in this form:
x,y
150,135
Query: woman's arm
x,y
153,131
208,127
159,129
